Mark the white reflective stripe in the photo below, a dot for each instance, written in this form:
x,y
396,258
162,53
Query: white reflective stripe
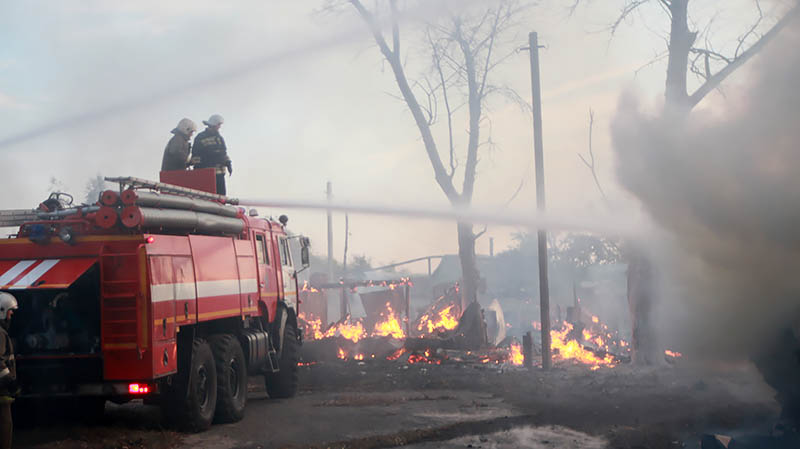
x,y
15,271
4,373
162,292
249,285
206,289
37,272
168,292
184,291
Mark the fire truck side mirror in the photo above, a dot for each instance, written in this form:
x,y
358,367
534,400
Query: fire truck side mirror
x,y
305,257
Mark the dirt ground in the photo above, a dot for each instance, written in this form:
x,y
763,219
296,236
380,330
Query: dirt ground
x,y
389,404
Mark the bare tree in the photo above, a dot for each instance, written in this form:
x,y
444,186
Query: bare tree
x,y
688,51
464,50
696,51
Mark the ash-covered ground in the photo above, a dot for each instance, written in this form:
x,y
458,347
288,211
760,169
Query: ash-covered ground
x,y
379,403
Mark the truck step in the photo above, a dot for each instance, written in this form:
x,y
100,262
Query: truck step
x,y
272,366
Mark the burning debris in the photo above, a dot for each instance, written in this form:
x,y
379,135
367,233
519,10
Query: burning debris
x,y
441,316
593,345
566,348
444,333
437,335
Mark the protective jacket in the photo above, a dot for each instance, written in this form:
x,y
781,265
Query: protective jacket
x,y
176,154
8,366
209,151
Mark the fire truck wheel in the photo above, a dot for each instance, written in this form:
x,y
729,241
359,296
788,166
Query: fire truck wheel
x,y
283,384
196,402
231,378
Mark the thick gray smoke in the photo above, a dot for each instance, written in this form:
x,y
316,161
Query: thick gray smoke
x,y
725,187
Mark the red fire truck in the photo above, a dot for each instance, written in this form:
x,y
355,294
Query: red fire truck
x,y
159,291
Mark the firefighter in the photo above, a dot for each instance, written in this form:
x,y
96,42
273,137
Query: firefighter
x,y
176,154
8,369
209,151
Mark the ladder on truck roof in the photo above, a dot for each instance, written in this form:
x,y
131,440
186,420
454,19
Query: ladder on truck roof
x,y
138,183
16,217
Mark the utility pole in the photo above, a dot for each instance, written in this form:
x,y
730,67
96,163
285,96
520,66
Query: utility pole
x,y
538,144
344,306
329,196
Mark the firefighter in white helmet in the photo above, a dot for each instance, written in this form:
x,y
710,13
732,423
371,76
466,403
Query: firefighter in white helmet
x,y
176,154
8,369
209,151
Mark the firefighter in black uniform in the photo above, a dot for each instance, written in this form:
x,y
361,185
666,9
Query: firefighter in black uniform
x,y
8,369
209,151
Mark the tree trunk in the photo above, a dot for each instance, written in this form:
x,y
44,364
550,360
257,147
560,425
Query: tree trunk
x,y
641,299
681,40
469,268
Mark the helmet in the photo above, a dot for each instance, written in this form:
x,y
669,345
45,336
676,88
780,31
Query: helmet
x,y
186,126
214,120
7,302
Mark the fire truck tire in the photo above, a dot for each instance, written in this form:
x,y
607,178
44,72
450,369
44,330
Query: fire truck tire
x,y
194,405
231,378
283,384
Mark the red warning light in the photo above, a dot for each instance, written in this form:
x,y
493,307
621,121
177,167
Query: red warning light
x,y
151,239
138,388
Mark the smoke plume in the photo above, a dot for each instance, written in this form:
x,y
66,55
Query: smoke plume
x,y
725,188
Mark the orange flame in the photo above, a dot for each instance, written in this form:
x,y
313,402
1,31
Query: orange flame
x,y
359,357
516,354
308,288
396,355
573,350
424,358
313,329
350,331
674,354
445,320
342,354
390,327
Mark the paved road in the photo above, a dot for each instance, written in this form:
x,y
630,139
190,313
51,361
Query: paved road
x,y
320,418
369,405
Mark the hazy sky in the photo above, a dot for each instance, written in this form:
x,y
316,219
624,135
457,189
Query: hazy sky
x,y
306,99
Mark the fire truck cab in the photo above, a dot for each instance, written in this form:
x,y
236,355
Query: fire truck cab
x,y
158,291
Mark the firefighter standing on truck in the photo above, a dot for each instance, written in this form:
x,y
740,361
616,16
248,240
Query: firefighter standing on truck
x,y
8,369
176,154
209,151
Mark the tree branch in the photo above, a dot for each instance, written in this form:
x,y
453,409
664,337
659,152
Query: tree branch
x,y
627,9
395,27
591,162
474,102
714,81
437,64
743,38
442,178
